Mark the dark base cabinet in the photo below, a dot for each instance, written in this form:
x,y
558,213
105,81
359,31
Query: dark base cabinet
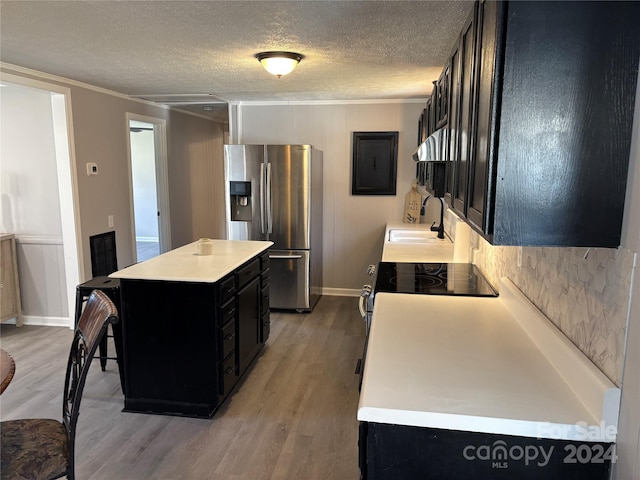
x,y
396,452
187,344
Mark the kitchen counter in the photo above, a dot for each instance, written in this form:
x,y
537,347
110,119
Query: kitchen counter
x,y
441,250
491,365
185,265
192,325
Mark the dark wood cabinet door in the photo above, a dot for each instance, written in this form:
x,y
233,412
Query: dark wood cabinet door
x,y
249,320
481,172
465,112
452,124
442,98
566,117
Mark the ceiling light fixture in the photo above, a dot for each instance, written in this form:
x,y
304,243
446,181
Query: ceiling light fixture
x,y
279,63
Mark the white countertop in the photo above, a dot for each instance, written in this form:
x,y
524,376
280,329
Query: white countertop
x,y
478,364
442,251
185,265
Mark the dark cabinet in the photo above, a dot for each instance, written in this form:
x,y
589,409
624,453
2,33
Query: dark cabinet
x,y
441,89
392,452
540,136
481,174
463,139
265,279
452,124
248,323
187,344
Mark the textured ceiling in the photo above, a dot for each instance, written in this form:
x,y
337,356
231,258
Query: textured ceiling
x,y
354,50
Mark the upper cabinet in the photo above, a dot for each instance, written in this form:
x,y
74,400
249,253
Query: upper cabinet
x,y
540,116
462,138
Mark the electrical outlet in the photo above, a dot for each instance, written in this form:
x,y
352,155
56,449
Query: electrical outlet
x,y
92,169
520,256
110,220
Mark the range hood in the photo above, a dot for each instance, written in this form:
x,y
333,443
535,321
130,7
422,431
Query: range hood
x,y
433,149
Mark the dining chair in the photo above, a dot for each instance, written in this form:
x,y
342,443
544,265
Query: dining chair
x,y
41,448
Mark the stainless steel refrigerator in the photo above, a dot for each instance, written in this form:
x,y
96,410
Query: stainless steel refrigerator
x,y
274,192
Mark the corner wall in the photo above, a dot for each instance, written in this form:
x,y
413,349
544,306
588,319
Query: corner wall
x,y
353,225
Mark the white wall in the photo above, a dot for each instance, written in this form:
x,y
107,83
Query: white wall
x,y
353,225
30,201
628,466
143,166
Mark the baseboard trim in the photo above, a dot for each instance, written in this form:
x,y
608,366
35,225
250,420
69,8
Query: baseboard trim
x,y
43,321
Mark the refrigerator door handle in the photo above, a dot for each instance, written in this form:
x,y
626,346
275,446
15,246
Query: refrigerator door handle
x,y
262,202
285,257
268,205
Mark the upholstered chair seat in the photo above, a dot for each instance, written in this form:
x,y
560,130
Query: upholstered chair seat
x,y
34,449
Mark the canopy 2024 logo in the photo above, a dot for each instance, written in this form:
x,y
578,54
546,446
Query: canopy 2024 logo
x,y
500,454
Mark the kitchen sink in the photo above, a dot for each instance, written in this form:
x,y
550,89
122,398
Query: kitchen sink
x,y
401,235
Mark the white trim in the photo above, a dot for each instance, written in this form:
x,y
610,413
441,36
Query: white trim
x,y
67,178
162,180
43,321
251,103
148,239
38,240
75,83
341,292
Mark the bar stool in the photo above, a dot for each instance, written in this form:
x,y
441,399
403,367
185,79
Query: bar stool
x,y
103,262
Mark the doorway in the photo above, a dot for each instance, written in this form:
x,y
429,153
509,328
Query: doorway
x,y
148,189
39,199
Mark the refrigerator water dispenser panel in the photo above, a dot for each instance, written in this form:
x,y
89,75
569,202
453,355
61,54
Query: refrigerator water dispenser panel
x,y
240,204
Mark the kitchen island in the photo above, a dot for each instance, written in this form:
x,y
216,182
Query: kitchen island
x,y
192,325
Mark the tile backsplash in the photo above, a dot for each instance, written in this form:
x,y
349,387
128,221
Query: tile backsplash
x,y
584,292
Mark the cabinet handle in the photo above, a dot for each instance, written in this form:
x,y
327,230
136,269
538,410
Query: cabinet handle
x,y
250,273
230,336
229,371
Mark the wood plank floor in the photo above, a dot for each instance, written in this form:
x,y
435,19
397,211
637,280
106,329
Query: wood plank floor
x,y
292,417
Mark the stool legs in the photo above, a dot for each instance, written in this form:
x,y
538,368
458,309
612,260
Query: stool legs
x,y
103,353
82,294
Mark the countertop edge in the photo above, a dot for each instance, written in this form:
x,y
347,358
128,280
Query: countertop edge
x,y
133,272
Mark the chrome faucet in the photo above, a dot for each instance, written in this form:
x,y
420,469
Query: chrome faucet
x,y
439,228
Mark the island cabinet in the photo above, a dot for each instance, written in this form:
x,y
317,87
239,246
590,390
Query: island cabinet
x,y
190,336
542,133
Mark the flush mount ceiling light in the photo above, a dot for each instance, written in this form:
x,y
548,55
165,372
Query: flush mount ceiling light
x,y
279,63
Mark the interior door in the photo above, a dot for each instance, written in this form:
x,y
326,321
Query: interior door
x,y
148,186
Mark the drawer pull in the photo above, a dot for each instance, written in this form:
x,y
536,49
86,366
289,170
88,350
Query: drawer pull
x,y
230,336
229,371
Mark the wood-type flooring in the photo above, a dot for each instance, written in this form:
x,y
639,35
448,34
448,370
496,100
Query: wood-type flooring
x,y
293,417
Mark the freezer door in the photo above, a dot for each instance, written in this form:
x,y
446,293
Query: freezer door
x,y
289,284
245,217
290,195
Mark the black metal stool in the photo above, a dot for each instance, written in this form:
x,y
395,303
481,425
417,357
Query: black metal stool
x,y
103,262
111,288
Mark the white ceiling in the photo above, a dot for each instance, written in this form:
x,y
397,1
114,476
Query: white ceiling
x,y
203,51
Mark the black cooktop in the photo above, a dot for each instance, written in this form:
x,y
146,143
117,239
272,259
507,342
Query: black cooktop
x,y
432,279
